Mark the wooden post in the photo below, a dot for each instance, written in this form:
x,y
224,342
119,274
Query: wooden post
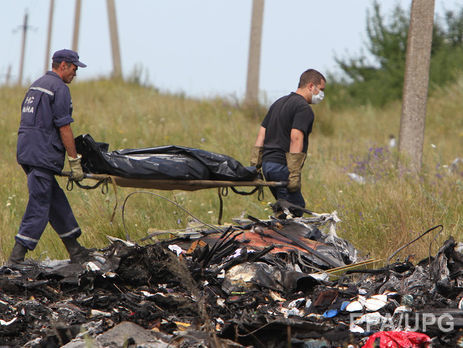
x,y
8,75
50,25
75,36
415,92
117,69
252,84
23,48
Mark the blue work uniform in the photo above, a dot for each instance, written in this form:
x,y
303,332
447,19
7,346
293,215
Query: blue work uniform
x,y
46,107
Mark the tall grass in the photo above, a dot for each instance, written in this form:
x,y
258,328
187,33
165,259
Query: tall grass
x,y
379,216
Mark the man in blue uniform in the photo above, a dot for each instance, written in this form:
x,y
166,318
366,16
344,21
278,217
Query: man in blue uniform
x,y
44,138
281,146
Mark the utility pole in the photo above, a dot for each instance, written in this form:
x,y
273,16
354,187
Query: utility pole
x,y
252,84
50,25
24,28
8,75
415,92
117,70
75,36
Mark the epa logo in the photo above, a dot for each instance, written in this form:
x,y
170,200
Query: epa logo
x,y
403,321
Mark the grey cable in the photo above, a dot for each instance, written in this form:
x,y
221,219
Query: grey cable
x,y
167,199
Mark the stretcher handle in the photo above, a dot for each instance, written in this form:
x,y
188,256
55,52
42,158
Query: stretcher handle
x,y
86,175
102,179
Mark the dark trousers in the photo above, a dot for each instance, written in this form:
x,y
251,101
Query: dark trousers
x,y
279,172
47,203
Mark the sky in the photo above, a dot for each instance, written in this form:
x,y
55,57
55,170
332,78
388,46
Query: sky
x,y
195,47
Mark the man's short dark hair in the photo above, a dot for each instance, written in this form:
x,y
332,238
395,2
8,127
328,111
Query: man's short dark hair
x,y
55,64
310,75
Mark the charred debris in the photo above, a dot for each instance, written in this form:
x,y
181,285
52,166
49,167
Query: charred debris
x,y
273,283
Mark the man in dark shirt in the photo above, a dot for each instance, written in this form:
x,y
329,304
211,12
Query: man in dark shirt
x,y
44,137
283,138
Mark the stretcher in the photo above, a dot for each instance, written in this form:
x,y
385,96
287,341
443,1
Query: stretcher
x,y
184,185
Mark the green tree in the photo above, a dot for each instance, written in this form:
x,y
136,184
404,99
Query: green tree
x,y
380,80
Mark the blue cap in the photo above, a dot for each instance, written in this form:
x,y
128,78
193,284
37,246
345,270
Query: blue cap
x,y
68,56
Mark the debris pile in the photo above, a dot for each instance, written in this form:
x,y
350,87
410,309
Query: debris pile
x,y
275,283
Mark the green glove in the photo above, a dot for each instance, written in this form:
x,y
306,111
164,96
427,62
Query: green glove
x,y
77,173
256,156
295,161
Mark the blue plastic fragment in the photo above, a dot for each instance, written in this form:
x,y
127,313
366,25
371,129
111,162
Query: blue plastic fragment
x,y
344,305
330,313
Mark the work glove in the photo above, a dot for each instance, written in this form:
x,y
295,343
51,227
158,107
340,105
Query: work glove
x,y
256,156
77,174
256,160
294,161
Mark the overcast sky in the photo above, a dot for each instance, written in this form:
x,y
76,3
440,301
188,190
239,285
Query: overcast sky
x,y
197,47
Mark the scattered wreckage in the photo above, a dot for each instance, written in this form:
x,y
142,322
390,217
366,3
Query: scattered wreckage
x,y
272,283
257,283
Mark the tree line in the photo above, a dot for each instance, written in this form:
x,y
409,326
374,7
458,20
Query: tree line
x,y
377,78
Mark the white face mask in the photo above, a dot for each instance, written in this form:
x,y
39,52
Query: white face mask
x,y
317,98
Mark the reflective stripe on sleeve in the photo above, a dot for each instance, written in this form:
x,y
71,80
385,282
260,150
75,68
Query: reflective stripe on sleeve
x,y
43,90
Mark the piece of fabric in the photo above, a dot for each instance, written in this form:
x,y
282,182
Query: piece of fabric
x,y
46,107
288,112
47,203
279,172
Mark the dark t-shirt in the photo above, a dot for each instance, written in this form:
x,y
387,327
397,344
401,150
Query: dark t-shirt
x,y
288,112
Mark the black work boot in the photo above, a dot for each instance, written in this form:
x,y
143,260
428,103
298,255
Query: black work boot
x,y
17,254
77,253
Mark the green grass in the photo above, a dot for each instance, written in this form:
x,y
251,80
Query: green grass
x,y
378,217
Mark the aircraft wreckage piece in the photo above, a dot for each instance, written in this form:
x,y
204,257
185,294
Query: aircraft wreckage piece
x,y
216,290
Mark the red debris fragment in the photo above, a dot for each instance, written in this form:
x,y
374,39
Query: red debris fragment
x,y
398,339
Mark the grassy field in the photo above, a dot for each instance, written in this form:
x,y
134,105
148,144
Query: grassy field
x,y
379,216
